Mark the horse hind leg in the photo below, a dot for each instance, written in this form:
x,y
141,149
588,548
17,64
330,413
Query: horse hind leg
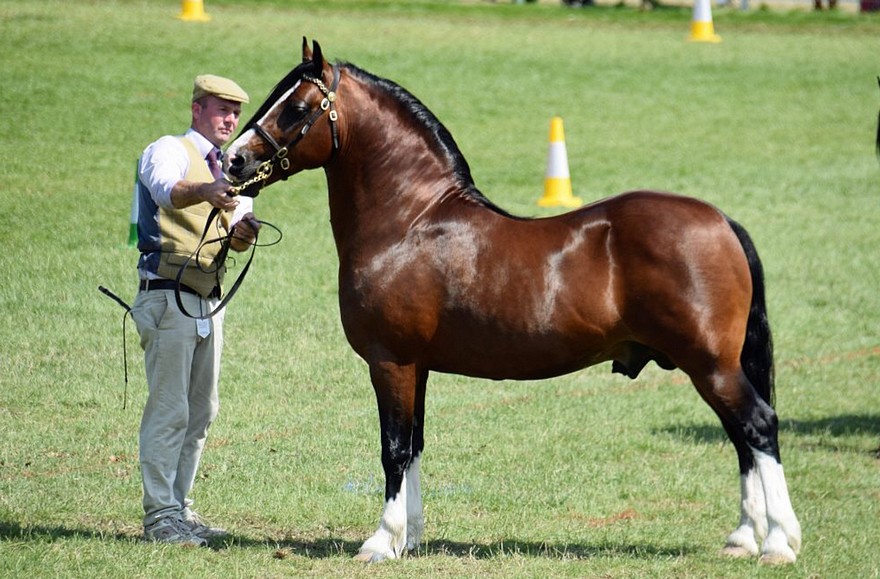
x,y
766,511
743,541
783,540
395,388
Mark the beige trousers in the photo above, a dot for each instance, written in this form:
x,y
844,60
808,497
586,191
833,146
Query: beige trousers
x,y
183,369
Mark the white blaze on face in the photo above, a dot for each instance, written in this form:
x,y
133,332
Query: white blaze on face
x,y
245,137
232,150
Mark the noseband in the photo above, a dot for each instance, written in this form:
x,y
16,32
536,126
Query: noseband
x,y
328,103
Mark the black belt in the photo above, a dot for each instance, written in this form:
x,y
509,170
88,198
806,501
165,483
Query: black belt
x,y
167,284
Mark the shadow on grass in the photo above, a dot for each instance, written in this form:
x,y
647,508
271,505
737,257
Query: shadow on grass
x,y
16,532
550,551
327,548
828,430
330,547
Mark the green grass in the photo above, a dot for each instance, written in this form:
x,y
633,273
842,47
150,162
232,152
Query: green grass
x,y
586,475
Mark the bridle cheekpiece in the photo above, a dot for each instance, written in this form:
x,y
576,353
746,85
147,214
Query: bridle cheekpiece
x,y
328,104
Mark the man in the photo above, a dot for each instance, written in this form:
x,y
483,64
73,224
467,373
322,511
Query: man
x,y
179,183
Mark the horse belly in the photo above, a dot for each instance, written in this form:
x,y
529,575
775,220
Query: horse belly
x,y
517,359
524,335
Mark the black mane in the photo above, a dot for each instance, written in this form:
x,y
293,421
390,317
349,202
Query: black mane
x,y
443,137
413,105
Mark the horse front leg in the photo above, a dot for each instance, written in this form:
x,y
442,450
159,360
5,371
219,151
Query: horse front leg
x,y
415,516
395,388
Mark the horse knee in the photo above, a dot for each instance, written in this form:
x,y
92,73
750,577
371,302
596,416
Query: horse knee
x,y
396,453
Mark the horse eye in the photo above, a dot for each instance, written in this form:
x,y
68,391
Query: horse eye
x,y
291,114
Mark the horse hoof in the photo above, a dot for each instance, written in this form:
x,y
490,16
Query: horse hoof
x,y
368,557
778,558
737,552
780,548
741,543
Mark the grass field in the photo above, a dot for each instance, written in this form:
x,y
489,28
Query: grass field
x,y
589,475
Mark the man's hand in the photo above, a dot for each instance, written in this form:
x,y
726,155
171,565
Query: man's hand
x,y
188,193
244,233
217,194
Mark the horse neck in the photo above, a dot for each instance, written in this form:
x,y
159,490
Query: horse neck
x,y
388,172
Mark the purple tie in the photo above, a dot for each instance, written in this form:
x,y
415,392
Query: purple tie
x,y
214,163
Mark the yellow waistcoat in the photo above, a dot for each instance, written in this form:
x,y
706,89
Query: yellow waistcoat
x,y
181,229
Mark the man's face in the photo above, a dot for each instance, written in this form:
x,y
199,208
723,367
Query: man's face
x,y
215,118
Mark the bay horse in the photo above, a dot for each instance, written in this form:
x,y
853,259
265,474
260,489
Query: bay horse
x,y
435,277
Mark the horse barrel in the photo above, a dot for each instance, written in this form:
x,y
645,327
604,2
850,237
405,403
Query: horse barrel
x,y
869,5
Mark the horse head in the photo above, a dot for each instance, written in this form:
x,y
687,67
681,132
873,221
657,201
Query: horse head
x,y
293,130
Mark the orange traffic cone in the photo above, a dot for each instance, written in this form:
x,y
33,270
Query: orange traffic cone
x,y
702,28
193,10
557,182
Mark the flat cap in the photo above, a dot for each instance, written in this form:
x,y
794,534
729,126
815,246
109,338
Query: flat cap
x,y
209,84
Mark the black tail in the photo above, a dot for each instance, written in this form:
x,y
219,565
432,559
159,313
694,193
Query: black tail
x,y
757,353
878,125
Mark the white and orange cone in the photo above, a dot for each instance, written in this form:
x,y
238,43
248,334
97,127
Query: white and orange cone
x,y
702,27
193,11
557,182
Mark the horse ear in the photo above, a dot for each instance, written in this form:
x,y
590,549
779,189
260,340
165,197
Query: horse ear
x,y
317,57
317,60
307,52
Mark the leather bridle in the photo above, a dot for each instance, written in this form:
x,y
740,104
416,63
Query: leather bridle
x,y
328,104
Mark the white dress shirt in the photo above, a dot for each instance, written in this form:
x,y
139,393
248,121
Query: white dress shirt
x,y
165,162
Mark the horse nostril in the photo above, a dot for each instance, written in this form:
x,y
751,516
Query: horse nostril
x,y
236,164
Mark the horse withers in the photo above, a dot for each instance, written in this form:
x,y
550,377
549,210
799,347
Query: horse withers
x,y
434,277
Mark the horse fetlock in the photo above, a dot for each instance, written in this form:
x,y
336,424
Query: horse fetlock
x,y
777,548
741,542
382,545
792,531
